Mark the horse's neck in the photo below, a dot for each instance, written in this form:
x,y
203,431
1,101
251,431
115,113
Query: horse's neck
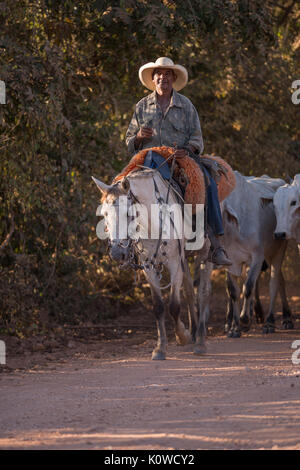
x,y
147,189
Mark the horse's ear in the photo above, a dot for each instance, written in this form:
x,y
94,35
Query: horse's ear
x,y
104,188
125,185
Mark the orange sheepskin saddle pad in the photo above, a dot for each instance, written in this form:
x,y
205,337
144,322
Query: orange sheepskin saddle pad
x,y
195,189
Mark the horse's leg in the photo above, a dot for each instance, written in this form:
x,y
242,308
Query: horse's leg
x,y
203,298
160,351
233,291
182,335
189,296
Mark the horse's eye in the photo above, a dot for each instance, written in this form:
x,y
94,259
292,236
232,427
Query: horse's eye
x,y
293,203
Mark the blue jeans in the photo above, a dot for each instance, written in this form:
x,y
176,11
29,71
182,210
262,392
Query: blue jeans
x,y
214,216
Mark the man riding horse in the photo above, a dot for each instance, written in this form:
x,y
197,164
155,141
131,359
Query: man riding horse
x,y
167,118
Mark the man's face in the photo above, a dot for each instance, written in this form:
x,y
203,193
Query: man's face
x,y
163,80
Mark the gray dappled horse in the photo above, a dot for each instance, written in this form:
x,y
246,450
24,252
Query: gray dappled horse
x,y
139,192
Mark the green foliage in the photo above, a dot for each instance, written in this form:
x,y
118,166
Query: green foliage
x,y
70,70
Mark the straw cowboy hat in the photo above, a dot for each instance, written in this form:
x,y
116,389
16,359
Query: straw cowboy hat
x,y
145,73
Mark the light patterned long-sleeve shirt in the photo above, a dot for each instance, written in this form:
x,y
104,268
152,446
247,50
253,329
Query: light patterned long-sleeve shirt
x,y
179,125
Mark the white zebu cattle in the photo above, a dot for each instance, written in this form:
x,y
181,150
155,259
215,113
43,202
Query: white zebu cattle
x,y
287,209
249,223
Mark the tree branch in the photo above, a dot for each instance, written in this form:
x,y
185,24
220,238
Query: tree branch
x,y
9,235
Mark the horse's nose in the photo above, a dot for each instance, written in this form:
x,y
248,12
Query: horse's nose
x,y
118,254
280,235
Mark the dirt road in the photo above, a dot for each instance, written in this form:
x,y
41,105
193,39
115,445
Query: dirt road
x,y
243,394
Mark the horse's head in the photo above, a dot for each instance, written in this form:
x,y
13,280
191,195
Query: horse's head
x,y
113,209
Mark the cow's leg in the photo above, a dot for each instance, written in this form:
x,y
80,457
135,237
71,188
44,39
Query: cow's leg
x,y
229,315
182,335
258,309
160,351
233,291
190,299
203,298
248,291
269,325
287,321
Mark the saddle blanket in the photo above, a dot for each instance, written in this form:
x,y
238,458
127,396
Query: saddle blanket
x,y
195,189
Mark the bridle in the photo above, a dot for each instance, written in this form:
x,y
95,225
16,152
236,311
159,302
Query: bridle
x,y
134,247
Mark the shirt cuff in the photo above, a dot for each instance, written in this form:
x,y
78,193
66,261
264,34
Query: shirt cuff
x,y
130,145
197,145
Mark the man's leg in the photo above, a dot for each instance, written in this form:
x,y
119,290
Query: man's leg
x,y
215,225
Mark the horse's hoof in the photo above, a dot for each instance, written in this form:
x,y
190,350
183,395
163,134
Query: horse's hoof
x,y
268,328
234,334
288,325
226,328
245,323
200,349
259,319
183,339
158,356
245,328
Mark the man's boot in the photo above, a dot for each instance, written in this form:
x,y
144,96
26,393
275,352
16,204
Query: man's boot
x,y
217,254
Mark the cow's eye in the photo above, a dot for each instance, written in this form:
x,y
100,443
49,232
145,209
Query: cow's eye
x,y
293,203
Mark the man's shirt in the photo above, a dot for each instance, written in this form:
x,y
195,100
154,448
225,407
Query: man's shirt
x,y
179,125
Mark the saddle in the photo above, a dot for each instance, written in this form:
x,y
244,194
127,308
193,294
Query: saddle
x,y
188,174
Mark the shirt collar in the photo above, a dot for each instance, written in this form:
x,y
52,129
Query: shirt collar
x,y
175,99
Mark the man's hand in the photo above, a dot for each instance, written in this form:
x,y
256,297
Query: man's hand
x,y
143,133
180,153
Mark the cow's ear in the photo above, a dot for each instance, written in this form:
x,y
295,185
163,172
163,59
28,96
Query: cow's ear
x,y
265,201
231,215
297,180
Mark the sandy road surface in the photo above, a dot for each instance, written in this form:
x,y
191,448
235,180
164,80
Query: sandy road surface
x,y
243,394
